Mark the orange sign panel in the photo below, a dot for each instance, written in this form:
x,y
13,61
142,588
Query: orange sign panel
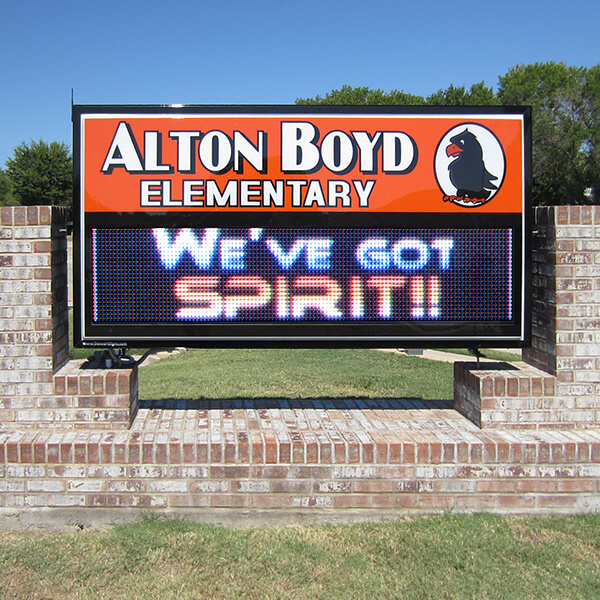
x,y
300,161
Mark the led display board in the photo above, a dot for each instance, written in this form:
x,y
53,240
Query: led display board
x,y
301,225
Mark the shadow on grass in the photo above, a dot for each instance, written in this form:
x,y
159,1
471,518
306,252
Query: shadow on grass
x,y
264,403
488,366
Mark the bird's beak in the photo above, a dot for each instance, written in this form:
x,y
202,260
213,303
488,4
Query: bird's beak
x,y
453,150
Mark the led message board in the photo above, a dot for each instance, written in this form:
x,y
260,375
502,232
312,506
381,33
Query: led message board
x,y
295,225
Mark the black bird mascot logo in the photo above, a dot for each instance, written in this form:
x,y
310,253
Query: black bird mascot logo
x,y
469,165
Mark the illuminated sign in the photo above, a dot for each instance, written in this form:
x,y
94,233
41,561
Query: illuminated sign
x,y
373,226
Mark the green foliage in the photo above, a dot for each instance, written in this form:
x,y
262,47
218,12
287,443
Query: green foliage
x,y
348,95
566,127
477,95
42,173
6,195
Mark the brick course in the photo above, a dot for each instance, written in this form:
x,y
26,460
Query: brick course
x,y
431,460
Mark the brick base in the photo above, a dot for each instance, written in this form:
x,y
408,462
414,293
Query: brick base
x,y
71,449
229,464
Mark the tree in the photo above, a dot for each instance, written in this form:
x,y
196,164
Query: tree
x,y
477,95
565,105
6,196
348,95
42,173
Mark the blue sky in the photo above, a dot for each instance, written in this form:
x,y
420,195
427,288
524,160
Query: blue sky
x,y
269,52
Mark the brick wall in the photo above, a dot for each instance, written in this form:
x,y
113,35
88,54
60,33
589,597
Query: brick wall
x,y
566,297
68,456
558,385
437,462
39,386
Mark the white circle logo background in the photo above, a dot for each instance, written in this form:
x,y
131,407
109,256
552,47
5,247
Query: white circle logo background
x,y
493,159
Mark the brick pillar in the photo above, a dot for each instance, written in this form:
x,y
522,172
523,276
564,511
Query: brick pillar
x,y
39,386
558,384
566,297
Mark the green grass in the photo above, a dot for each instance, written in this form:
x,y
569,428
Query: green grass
x,y
284,373
446,557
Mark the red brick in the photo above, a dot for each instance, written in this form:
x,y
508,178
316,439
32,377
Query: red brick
x,y
189,500
229,501
147,452
326,451
202,452
512,387
270,472
98,384
297,449
353,451
229,451
39,448
106,453
258,448
111,383
134,452
395,449
175,454
275,501
188,452
66,452
556,501
6,215
216,452
312,452
497,486
532,486
519,501
32,215
339,451
26,451
435,452
93,452
53,453
373,486
19,215
367,452
286,486
575,485
353,501
229,471
270,447
544,452
120,452
45,215
80,452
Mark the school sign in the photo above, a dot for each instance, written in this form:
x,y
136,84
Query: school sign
x,y
291,225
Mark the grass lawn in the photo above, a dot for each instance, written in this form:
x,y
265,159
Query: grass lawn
x,y
277,373
445,557
287,373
